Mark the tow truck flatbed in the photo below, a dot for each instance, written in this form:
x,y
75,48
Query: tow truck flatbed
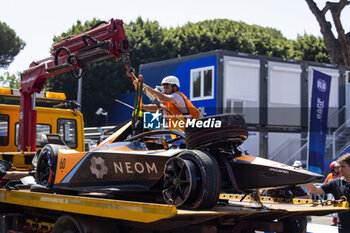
x,y
232,209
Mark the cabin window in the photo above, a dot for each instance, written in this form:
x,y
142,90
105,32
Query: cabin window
x,y
67,128
4,130
202,83
41,131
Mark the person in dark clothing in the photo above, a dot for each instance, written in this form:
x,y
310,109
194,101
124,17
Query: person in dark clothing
x,y
339,187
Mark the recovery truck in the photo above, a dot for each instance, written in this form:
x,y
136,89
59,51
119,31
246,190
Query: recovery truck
x,y
24,210
66,122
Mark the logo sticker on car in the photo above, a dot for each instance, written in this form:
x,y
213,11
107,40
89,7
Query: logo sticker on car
x,y
98,167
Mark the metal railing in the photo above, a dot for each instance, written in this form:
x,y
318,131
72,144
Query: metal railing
x,y
302,150
334,117
95,132
281,148
336,135
329,148
288,148
342,150
330,143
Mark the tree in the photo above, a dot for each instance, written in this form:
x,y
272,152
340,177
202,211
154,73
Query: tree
x,y
10,45
10,80
226,34
338,48
309,48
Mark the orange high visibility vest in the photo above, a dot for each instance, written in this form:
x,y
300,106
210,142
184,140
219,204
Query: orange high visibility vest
x,y
174,123
330,177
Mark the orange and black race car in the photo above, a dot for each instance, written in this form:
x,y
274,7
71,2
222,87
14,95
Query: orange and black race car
x,y
188,170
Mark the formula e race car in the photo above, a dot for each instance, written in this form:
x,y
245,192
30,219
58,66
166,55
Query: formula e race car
x,y
187,170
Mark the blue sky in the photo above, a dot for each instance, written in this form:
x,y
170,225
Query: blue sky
x,y
38,21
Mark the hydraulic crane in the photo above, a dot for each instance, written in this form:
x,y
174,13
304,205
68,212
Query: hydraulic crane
x,y
70,54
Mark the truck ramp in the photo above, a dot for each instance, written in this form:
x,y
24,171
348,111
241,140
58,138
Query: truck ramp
x,y
231,210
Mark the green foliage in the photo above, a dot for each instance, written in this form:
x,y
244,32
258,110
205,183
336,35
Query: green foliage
x,y
149,42
227,35
10,45
309,48
10,80
76,29
146,42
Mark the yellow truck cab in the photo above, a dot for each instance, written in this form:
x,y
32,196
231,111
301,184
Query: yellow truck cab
x,y
65,122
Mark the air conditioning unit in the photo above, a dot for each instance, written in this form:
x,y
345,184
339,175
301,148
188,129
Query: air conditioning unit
x,y
234,106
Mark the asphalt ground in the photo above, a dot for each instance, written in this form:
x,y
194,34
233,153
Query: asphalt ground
x,y
319,224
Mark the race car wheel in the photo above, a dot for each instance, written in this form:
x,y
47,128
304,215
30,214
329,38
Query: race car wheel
x,y
179,181
232,129
46,166
207,182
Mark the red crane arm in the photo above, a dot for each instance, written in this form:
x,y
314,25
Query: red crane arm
x,y
75,52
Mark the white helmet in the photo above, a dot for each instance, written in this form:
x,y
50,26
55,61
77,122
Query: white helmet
x,y
171,80
297,163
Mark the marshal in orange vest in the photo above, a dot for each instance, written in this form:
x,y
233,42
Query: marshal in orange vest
x,y
174,123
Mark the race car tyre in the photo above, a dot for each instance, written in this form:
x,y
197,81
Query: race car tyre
x,y
207,182
46,166
232,129
179,181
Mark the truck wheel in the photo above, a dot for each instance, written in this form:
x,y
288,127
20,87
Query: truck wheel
x,y
46,167
179,181
67,224
233,129
207,182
